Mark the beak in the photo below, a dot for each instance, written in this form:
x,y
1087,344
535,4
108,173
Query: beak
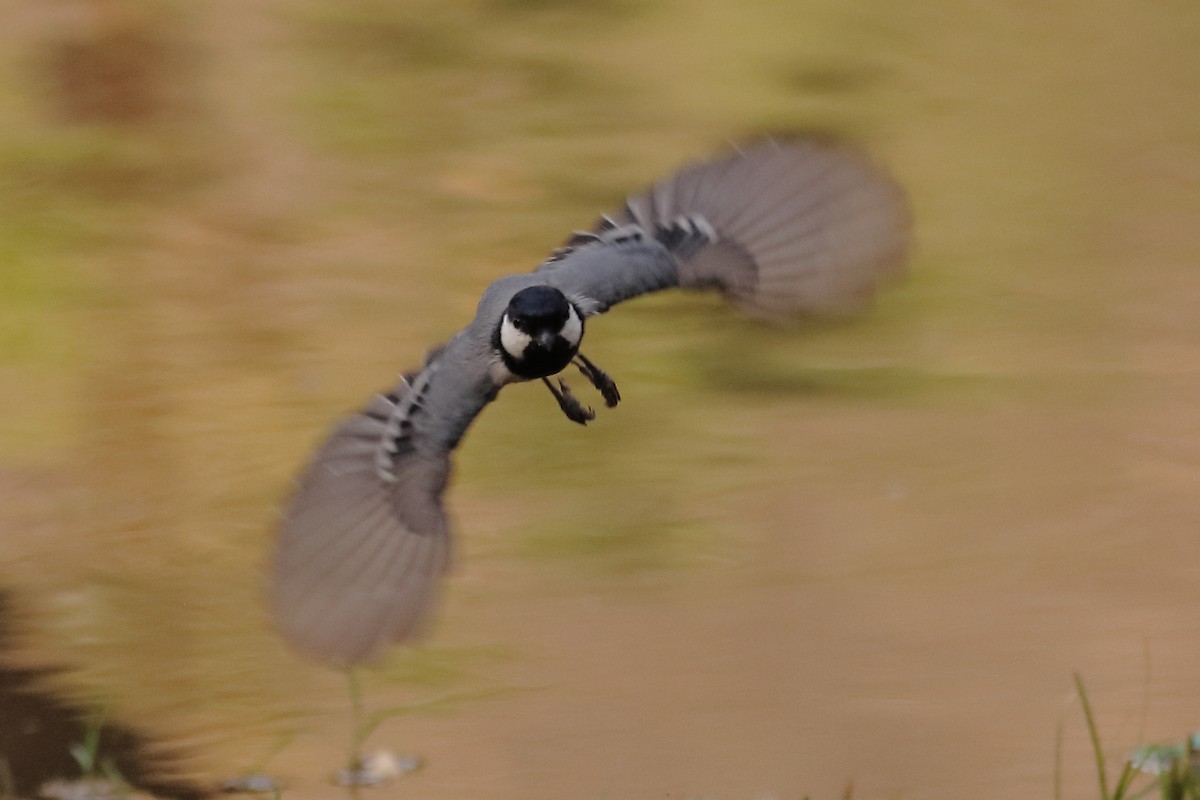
x,y
545,340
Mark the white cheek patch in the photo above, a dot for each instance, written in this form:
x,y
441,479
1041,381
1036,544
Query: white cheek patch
x,y
512,340
572,329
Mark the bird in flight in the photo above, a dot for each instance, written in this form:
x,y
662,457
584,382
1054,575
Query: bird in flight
x,y
780,228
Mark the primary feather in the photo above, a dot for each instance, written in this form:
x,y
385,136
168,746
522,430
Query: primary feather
x,y
779,228
798,227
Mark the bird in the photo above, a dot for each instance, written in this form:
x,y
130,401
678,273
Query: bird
x,y
781,227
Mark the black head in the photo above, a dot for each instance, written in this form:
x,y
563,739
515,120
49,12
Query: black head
x,y
539,333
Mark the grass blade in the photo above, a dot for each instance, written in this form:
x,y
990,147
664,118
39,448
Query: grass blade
x,y
1095,734
1058,744
1127,775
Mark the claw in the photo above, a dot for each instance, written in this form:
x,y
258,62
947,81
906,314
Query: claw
x,y
600,379
570,405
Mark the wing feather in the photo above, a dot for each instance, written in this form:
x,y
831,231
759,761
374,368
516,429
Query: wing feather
x,y
801,207
802,226
798,209
358,556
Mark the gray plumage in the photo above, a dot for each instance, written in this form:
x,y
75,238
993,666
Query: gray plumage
x,y
779,228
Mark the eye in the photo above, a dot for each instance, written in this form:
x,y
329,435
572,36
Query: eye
x,y
518,321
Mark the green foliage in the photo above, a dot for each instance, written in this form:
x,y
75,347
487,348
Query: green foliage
x,y
87,752
1127,772
94,768
92,765
1175,769
1176,766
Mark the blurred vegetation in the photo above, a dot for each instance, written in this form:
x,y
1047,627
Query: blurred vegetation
x,y
221,226
1173,770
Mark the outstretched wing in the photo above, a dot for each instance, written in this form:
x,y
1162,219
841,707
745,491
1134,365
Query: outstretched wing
x,y
364,537
780,228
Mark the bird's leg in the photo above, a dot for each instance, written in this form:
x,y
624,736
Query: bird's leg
x,y
600,379
575,410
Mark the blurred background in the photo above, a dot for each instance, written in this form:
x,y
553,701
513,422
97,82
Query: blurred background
x,y
866,551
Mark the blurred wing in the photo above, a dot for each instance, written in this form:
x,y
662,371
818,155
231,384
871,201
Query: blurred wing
x,y
780,228
364,538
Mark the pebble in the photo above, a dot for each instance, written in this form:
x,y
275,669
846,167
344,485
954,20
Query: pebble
x,y
382,766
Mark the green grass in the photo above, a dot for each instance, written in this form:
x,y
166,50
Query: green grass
x,y
1171,770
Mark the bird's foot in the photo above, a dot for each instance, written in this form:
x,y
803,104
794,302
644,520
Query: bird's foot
x,y
570,405
600,379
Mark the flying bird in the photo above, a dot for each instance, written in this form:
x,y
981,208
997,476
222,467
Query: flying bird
x,y
780,228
